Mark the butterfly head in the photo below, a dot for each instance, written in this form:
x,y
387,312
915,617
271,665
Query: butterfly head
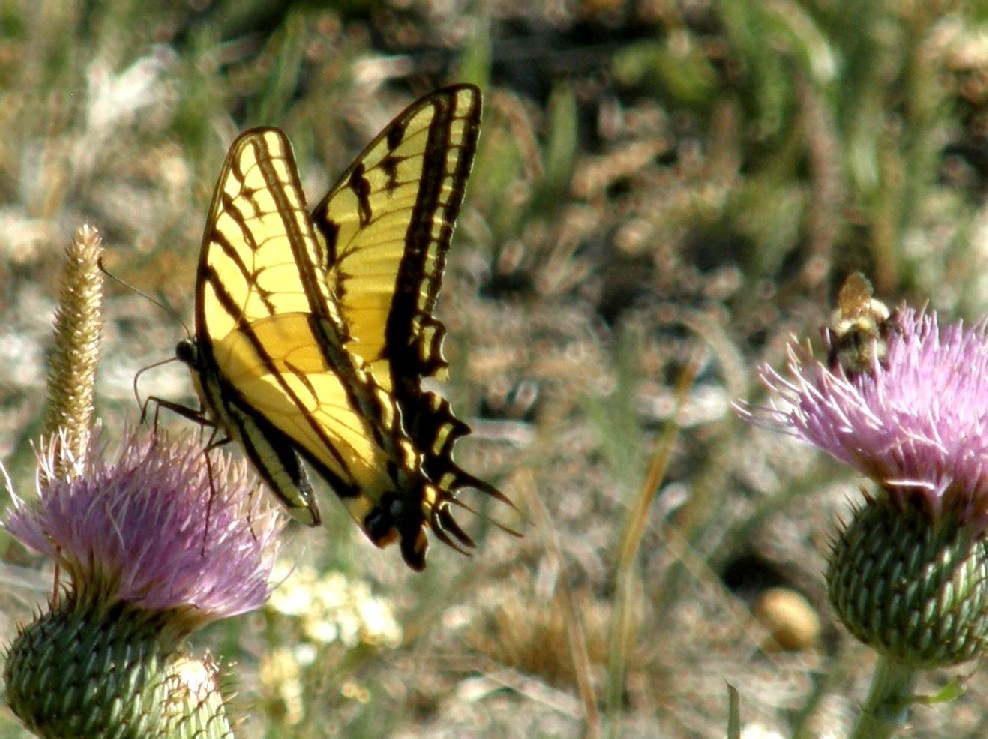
x,y
186,352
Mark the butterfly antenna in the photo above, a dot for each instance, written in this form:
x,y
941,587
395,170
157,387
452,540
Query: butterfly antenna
x,y
159,302
167,310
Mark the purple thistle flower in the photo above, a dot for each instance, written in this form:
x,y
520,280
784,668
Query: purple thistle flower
x,y
917,423
157,540
907,406
133,528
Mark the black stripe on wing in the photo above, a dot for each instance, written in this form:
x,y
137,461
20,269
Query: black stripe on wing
x,y
413,337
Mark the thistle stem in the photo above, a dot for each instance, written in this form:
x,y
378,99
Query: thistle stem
x,y
886,709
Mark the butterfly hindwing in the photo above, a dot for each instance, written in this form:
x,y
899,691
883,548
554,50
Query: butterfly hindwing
x,y
313,333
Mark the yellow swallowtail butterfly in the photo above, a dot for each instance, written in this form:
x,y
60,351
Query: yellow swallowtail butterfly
x,y
313,332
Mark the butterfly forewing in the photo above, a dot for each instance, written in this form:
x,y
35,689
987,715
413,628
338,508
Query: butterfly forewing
x,y
258,241
387,224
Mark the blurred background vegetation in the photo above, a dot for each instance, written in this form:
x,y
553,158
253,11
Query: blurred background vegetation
x,y
665,192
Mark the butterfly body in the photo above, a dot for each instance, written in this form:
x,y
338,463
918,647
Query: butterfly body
x,y
314,331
